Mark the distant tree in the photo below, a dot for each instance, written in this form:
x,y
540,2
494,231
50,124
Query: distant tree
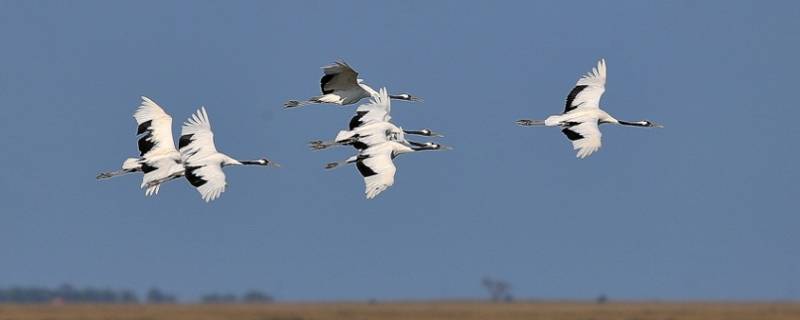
x,y
499,290
219,298
255,296
65,293
128,296
155,295
601,299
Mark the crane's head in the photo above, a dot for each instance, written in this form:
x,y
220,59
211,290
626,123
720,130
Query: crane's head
x,y
430,133
429,146
424,132
650,124
406,97
267,162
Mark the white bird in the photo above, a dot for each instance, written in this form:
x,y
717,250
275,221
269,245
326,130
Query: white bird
x,y
376,166
201,159
582,114
158,157
340,85
371,126
369,135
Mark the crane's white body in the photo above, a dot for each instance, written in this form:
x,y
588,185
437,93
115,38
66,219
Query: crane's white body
x,y
161,160
158,157
582,114
370,126
201,159
340,85
377,166
371,123
372,134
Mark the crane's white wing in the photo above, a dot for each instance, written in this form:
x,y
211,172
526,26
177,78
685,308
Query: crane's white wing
x,y
585,137
200,156
377,169
588,89
338,76
378,172
154,129
377,110
197,139
209,179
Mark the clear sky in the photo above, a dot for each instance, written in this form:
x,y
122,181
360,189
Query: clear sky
x,y
705,208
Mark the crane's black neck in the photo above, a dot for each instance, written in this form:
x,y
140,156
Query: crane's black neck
x,y
635,124
417,132
416,146
252,162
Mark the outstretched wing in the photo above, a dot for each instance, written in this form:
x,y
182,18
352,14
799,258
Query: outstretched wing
x,y
154,129
585,137
199,155
376,110
197,139
378,172
588,89
208,179
338,76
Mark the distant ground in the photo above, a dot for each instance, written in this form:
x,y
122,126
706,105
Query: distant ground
x,y
412,311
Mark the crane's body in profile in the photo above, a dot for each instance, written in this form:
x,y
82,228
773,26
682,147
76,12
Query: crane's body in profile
x,y
196,158
370,126
582,114
340,85
158,157
201,159
376,166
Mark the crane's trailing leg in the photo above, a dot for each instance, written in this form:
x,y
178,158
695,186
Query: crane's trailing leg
x,y
108,175
529,122
321,145
173,176
334,165
293,104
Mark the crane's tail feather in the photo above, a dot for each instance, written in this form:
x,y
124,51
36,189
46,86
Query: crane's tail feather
x,y
152,190
529,122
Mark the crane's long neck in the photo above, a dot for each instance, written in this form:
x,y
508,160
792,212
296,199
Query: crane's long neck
x,y
416,146
228,161
417,132
633,124
251,162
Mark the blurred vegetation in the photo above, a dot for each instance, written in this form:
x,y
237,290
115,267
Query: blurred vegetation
x,y
68,294
452,310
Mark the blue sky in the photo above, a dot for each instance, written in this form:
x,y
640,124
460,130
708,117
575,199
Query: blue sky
x,y
703,209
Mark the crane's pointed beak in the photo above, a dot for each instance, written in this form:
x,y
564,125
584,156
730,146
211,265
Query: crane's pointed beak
x,y
271,163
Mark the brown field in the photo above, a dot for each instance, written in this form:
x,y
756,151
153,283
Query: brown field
x,y
412,311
